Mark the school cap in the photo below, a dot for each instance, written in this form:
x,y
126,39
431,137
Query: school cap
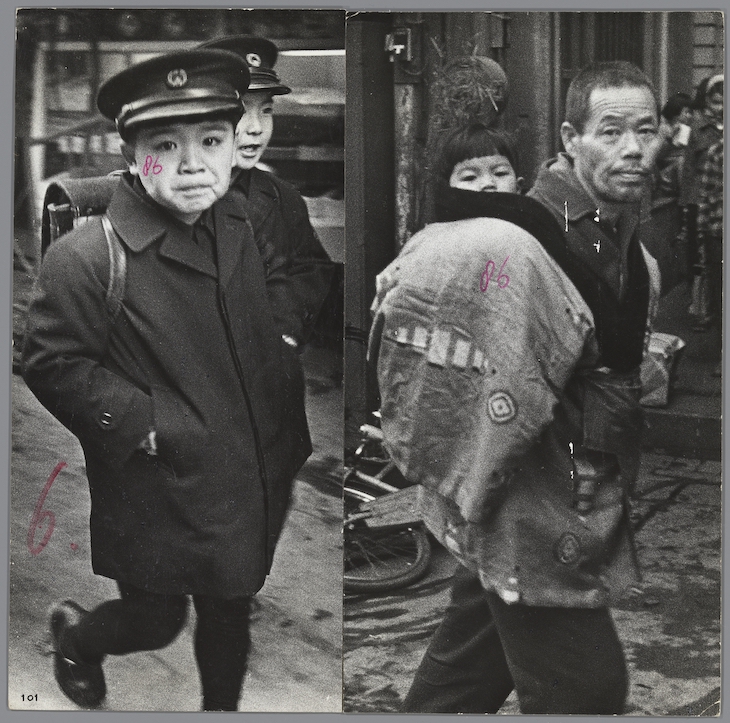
x,y
185,83
260,55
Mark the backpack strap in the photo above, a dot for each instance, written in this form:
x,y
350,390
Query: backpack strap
x,y
117,268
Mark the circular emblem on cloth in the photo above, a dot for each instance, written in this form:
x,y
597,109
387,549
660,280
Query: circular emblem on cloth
x,y
568,549
254,60
177,78
502,408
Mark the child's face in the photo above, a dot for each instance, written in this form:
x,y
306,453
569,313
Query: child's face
x,y
185,167
254,129
486,173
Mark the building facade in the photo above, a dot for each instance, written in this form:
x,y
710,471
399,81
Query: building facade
x,y
393,60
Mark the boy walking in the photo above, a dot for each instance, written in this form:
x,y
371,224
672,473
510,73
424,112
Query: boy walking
x,y
298,270
182,400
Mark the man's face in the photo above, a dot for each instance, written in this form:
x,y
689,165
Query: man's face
x,y
254,129
614,155
185,167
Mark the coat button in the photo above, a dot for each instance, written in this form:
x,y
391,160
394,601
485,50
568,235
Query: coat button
x,y
106,419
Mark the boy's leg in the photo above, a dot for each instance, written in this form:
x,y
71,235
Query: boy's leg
x,y
222,643
138,620
563,660
464,669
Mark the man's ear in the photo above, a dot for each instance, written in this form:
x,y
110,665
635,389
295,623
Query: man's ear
x,y
520,184
128,153
570,138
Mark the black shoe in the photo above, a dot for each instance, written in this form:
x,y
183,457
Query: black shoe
x,y
83,683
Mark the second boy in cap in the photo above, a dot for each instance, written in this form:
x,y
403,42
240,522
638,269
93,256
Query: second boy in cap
x,y
298,270
183,398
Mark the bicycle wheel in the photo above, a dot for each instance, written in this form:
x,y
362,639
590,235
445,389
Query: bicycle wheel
x,y
381,560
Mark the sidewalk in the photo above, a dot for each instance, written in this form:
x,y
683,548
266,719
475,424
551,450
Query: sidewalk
x,y
669,627
691,424
295,662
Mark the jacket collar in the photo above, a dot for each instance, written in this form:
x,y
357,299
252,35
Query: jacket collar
x,y
231,225
454,204
559,186
139,223
254,181
136,220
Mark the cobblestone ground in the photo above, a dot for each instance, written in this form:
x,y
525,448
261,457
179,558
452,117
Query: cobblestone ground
x,y
670,629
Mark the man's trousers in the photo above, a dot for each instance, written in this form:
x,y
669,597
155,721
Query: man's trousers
x,y
559,660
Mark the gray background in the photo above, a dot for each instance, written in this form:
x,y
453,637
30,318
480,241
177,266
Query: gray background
x,y
7,56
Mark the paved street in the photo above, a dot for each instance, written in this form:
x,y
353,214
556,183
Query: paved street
x,y
670,628
295,664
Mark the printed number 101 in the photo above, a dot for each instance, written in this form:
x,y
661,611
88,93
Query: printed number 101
x,y
29,698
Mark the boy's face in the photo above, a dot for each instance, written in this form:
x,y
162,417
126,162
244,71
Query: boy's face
x,y
185,167
485,174
254,129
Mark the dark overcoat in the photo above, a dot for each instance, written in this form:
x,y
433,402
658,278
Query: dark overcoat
x,y
193,354
298,271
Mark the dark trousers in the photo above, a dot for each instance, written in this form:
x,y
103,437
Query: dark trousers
x,y
713,256
141,620
560,660
693,244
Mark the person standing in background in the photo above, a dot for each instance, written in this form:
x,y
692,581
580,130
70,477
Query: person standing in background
x,y
298,270
707,129
663,230
675,131
709,233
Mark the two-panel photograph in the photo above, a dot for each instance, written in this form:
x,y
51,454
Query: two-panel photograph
x,y
366,362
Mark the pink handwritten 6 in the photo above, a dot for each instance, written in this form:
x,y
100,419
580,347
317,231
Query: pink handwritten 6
x,y
39,514
502,279
148,164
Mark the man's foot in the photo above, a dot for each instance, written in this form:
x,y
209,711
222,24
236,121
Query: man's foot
x,y
83,683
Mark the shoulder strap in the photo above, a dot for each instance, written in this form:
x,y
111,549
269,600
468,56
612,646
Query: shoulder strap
x,y
117,268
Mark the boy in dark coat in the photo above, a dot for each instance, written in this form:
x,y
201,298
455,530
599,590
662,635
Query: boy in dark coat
x,y
298,270
187,402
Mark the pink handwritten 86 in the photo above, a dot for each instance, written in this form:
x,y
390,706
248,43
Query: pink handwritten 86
x,y
502,278
155,167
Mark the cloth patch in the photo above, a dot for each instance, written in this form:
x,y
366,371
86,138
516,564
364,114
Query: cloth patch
x,y
438,352
502,408
568,549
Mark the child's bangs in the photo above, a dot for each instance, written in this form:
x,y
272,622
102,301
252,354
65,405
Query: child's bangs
x,y
474,141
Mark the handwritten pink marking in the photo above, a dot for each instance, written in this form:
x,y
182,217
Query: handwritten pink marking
x,y
39,514
74,546
155,167
486,277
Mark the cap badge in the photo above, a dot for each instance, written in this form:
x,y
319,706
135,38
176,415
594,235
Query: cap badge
x,y
177,78
254,60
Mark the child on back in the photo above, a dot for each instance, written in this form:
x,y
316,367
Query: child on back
x,y
477,158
